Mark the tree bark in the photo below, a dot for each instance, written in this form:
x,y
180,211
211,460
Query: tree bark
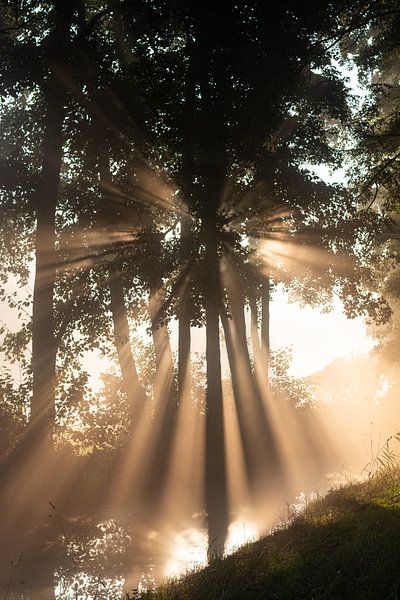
x,y
241,381
134,391
184,343
255,338
184,340
44,345
162,346
265,326
43,336
259,447
165,399
216,493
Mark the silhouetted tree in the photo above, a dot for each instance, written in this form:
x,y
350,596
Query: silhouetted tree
x,y
238,107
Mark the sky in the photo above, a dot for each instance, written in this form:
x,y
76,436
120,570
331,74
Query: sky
x,y
316,338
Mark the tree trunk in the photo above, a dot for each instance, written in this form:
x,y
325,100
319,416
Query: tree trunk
x,y
44,346
258,440
255,339
133,389
36,444
216,494
184,370
43,338
165,399
184,341
241,382
265,324
162,346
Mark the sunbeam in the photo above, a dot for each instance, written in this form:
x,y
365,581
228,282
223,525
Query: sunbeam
x,y
199,323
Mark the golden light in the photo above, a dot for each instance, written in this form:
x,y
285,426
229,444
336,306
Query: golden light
x,y
187,550
240,532
272,450
317,338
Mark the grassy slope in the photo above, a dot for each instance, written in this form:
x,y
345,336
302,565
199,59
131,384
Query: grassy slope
x,y
346,546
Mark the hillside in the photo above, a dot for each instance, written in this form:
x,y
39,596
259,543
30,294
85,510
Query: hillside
x,y
345,546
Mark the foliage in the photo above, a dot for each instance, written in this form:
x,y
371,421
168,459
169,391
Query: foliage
x,y
297,392
386,457
13,411
167,100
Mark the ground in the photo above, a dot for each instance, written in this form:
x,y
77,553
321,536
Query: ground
x,y
345,546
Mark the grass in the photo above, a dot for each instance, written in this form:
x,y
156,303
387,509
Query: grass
x,y
345,546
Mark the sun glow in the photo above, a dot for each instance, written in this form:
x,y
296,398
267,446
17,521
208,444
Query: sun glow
x,y
240,532
156,467
179,370
187,551
317,338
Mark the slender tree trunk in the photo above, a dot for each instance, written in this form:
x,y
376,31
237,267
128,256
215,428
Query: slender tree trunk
x,y
255,338
133,389
216,494
242,384
162,345
165,398
184,340
259,447
165,395
44,346
184,343
265,326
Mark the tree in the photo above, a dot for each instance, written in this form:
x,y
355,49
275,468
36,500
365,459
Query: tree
x,y
376,149
238,109
187,133
42,73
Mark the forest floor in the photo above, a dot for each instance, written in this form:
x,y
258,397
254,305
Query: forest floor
x,y
344,546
